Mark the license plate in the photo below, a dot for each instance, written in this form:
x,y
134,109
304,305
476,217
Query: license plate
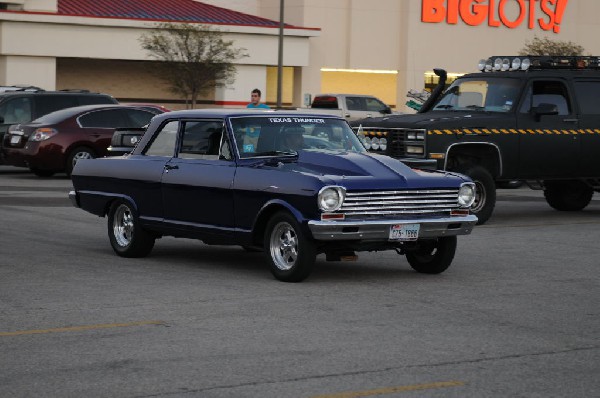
x,y
15,139
404,231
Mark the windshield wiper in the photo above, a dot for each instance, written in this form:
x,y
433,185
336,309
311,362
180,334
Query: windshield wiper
x,y
444,107
277,153
474,107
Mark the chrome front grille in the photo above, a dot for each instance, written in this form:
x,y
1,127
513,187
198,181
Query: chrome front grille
x,y
400,204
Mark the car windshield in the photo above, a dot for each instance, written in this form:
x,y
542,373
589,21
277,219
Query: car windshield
x,y
484,94
259,136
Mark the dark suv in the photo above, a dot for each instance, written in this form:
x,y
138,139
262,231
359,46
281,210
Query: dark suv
x,y
534,119
22,105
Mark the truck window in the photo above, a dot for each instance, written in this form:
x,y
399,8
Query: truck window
x,y
547,92
486,94
587,95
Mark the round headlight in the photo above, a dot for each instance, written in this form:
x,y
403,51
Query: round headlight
x,y
481,64
367,142
516,63
489,65
375,143
525,64
466,195
331,198
505,64
383,144
498,64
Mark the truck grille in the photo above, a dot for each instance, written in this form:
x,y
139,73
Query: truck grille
x,y
397,139
400,204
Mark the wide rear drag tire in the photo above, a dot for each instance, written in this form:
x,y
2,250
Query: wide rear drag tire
x,y
127,237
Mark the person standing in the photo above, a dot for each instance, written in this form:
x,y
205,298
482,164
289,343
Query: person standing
x,y
255,100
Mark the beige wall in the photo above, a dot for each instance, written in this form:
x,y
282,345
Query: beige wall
x,y
355,34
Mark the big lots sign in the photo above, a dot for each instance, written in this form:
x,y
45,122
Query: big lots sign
x,y
547,14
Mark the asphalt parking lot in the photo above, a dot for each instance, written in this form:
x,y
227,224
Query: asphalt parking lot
x,y
516,315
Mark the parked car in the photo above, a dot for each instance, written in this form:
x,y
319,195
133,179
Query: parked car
x,y
56,141
349,106
265,181
22,104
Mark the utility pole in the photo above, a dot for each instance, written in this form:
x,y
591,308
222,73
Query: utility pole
x,y
280,57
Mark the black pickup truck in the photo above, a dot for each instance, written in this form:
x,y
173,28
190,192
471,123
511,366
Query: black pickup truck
x,y
533,119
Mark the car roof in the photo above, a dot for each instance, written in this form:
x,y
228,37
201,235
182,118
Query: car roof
x,y
66,113
221,113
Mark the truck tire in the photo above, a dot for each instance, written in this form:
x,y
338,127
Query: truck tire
x,y
569,195
485,191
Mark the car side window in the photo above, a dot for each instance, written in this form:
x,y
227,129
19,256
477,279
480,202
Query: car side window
x,y
587,96
137,117
355,104
547,92
17,110
45,104
203,140
164,141
109,118
374,105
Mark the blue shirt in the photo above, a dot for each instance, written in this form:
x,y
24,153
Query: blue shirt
x,y
262,106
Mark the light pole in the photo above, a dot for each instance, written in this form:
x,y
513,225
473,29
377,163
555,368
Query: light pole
x,y
280,56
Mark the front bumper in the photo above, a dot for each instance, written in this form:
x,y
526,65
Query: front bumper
x,y
379,230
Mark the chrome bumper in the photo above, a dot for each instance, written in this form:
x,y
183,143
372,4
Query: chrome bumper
x,y
380,230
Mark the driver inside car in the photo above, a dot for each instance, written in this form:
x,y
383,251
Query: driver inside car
x,y
293,139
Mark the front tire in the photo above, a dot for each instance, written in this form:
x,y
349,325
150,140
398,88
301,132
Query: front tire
x,y
432,256
485,192
567,195
290,254
77,154
127,237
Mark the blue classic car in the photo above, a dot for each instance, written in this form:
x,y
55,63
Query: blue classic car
x,y
290,184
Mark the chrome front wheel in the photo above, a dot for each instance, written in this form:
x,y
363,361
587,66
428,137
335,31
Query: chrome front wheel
x,y
290,254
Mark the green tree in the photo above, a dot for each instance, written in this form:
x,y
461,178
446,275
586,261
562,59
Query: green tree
x,y
545,46
192,58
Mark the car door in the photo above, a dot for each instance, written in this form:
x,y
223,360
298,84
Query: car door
x,y
197,183
549,146
587,90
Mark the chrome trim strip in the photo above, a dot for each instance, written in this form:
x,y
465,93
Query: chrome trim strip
x,y
378,230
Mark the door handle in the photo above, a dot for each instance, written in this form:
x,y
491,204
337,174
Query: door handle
x,y
170,167
570,120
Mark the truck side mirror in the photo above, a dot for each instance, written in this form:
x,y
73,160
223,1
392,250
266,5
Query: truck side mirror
x,y
544,109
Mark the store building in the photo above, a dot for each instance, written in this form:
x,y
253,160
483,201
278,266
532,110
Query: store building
x,y
383,47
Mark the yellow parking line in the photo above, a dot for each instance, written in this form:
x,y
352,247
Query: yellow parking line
x,y
81,328
391,390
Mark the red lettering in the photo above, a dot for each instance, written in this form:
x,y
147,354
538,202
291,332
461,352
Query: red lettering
x,y
453,11
491,18
473,12
558,14
508,23
546,4
433,11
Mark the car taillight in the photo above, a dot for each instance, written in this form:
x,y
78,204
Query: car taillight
x,y
42,134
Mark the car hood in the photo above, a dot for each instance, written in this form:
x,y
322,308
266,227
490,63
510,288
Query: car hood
x,y
449,119
366,171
